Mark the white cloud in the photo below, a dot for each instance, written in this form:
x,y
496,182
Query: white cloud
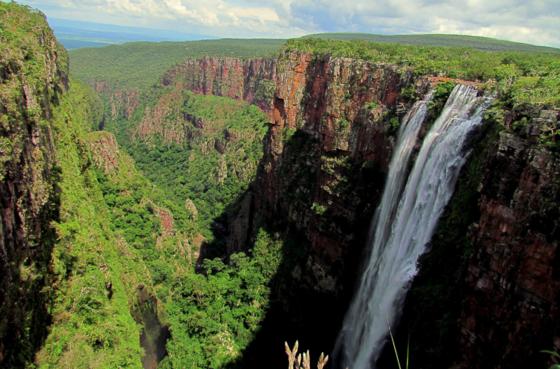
x,y
535,21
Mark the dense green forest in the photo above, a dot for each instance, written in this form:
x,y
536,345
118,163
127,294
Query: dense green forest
x,y
461,41
113,238
213,160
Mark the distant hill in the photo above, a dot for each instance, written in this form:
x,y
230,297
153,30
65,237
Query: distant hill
x,y
140,64
71,44
78,34
476,42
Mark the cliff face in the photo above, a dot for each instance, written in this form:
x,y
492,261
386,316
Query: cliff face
x,y
326,155
121,102
511,306
31,81
165,119
250,80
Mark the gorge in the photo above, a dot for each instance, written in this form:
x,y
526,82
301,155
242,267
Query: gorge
x,y
218,201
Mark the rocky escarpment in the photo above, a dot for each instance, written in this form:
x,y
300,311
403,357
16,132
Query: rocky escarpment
x,y
251,80
32,78
492,270
512,294
333,122
121,102
165,119
328,147
106,151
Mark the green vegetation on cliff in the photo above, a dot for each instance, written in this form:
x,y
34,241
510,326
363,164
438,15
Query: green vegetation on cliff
x,y
28,46
196,156
78,280
32,67
463,41
32,77
116,239
202,153
521,77
92,325
117,236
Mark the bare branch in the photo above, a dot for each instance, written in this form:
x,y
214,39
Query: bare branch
x,y
322,361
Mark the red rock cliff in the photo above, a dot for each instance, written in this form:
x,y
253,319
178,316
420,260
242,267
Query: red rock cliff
x,y
326,156
250,80
327,150
511,309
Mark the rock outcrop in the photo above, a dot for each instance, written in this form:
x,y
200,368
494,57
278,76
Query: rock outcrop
x,y
511,308
122,102
165,119
105,151
251,80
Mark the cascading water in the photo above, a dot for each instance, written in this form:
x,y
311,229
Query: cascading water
x,y
405,221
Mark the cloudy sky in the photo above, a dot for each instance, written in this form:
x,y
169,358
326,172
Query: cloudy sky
x,y
532,21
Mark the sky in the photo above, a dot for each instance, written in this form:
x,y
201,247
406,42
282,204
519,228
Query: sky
x,y
532,21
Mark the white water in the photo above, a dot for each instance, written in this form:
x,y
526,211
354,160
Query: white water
x,y
405,221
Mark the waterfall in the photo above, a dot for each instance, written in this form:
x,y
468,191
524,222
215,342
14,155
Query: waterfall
x,y
405,221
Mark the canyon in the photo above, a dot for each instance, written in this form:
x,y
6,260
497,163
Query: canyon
x,y
305,152
496,261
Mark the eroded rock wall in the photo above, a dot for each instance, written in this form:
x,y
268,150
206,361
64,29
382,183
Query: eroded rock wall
x,y
512,296
32,78
327,154
251,80
121,102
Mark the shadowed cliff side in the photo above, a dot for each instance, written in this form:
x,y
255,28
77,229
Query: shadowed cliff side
x,y
496,245
33,75
326,155
323,134
513,277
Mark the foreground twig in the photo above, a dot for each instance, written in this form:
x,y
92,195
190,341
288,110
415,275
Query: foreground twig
x,y
303,361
